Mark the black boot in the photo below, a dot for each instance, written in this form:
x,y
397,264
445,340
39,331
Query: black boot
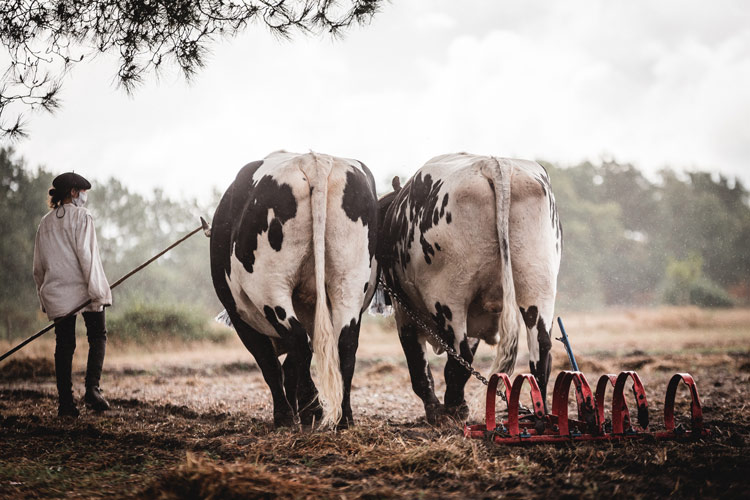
x,y
67,408
94,399
64,347
97,335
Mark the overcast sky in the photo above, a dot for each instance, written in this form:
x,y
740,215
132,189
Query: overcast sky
x,y
656,83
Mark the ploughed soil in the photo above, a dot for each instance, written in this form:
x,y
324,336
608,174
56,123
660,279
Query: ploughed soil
x,y
195,421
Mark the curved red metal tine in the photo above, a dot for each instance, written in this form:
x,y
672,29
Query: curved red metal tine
x,y
580,401
515,396
489,414
584,399
696,413
559,401
620,411
586,403
639,393
601,391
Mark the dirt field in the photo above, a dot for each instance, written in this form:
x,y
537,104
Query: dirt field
x,y
194,421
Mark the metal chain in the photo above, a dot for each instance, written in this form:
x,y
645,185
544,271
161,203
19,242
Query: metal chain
x,y
435,336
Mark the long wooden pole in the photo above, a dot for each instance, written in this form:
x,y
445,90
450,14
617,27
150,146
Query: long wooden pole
x,y
49,327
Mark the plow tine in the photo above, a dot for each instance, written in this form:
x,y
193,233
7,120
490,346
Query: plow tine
x,y
587,412
492,398
560,402
696,413
620,413
515,396
559,398
639,393
605,381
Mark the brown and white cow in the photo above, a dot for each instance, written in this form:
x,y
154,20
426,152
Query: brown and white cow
x,y
293,262
474,243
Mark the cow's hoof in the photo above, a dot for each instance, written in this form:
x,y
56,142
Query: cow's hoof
x,y
282,420
435,414
460,412
345,422
310,415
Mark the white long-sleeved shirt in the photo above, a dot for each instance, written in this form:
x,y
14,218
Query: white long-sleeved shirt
x,y
67,267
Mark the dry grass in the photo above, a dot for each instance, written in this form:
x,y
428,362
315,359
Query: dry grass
x,y
21,368
199,477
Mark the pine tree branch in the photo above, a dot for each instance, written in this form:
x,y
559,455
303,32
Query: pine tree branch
x,y
45,39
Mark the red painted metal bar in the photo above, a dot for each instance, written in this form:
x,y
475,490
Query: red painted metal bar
x,y
601,391
587,412
696,413
489,416
515,396
620,414
586,403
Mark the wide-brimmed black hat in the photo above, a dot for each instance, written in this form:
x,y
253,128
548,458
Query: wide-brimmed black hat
x,y
70,180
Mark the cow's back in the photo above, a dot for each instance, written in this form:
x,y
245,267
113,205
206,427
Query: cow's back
x,y
442,233
261,246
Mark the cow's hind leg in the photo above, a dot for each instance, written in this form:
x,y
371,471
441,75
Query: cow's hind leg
x,y
450,319
346,314
348,343
535,245
539,330
456,377
535,291
291,381
310,410
419,371
262,349
300,389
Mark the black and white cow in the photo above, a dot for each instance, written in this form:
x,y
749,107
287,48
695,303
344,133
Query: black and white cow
x,y
293,259
473,242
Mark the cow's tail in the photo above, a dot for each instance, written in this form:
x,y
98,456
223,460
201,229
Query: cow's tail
x,y
511,322
325,341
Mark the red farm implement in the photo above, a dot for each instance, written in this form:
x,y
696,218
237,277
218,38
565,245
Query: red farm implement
x,y
590,424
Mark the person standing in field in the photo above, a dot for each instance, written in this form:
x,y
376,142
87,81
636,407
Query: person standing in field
x,y
68,272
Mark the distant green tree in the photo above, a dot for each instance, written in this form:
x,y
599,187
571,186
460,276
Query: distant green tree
x,y
23,202
587,228
622,230
711,218
681,275
686,284
132,227
607,256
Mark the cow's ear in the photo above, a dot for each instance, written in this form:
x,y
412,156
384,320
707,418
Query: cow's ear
x,y
396,183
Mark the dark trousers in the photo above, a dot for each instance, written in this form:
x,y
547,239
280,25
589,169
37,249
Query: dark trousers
x,y
65,333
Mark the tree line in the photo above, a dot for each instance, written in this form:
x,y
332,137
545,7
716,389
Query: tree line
x,y
676,238
679,238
